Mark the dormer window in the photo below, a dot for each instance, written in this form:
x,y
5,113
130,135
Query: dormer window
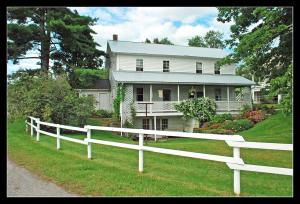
x,y
139,65
199,67
217,69
166,67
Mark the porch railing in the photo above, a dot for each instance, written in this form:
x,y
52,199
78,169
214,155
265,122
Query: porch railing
x,y
168,106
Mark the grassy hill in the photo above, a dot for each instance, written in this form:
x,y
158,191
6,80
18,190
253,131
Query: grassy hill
x,y
114,171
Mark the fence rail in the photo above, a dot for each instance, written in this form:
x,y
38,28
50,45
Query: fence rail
x,y
235,162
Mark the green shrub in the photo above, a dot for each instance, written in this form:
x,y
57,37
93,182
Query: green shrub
x,y
237,125
103,113
265,108
51,100
85,78
220,118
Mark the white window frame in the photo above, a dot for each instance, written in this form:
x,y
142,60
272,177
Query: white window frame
x,y
164,125
137,94
145,123
199,69
166,66
217,69
139,64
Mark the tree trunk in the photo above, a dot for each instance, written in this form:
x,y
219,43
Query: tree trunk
x,y
45,45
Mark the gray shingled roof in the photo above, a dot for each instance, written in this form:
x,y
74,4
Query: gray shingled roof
x,y
160,49
179,78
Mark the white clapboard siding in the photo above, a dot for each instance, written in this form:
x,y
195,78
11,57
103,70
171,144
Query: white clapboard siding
x,y
177,64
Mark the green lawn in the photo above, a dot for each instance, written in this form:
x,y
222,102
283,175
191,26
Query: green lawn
x,y
114,171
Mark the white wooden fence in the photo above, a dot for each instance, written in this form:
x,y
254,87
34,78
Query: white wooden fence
x,y
235,162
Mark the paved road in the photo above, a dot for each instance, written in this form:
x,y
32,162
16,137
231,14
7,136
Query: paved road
x,y
22,183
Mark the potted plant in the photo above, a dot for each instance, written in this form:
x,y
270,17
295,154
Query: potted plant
x,y
201,109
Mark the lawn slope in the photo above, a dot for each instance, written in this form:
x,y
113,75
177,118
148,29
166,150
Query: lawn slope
x,y
114,171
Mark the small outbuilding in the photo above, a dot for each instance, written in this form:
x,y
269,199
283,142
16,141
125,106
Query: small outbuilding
x,y
100,90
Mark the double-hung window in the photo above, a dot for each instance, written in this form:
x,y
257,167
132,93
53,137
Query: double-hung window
x,y
139,94
217,69
139,65
146,124
166,66
199,67
164,124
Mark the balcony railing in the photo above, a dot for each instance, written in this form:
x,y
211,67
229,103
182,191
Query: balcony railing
x,y
168,106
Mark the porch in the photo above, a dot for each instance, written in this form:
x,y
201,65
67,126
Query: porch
x,y
161,98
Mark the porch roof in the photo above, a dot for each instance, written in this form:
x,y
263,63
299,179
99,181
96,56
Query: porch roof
x,y
179,78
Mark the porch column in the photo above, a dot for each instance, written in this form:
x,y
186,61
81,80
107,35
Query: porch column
x,y
228,99
155,127
203,90
178,98
150,98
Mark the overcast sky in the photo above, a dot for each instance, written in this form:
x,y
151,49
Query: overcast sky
x,y
138,23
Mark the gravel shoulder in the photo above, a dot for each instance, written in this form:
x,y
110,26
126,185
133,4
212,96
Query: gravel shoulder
x,y
22,183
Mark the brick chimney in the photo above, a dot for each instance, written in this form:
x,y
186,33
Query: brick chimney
x,y
115,37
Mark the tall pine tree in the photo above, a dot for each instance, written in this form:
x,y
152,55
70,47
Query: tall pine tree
x,y
56,33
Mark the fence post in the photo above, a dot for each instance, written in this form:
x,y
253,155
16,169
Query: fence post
x,y
31,127
236,179
58,139
26,126
37,129
89,145
141,153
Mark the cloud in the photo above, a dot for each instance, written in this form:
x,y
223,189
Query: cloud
x,y
178,24
138,23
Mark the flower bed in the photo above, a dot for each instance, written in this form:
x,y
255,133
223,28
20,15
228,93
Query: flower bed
x,y
228,124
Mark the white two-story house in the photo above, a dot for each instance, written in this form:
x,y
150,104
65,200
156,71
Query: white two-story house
x,y
163,75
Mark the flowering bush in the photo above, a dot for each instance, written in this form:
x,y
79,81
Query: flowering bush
x,y
255,116
202,109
